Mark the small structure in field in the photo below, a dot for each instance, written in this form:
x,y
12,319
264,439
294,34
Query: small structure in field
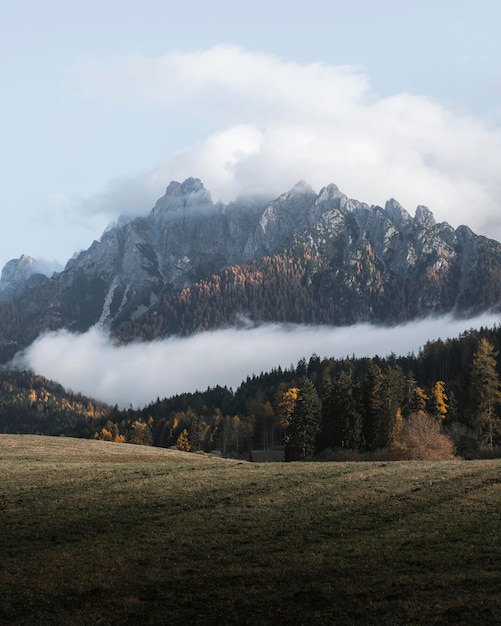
x,y
267,456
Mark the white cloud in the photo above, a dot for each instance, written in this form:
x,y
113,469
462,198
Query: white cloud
x,y
270,123
139,373
121,196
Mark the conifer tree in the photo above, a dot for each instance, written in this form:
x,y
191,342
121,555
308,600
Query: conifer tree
x,y
486,390
183,442
416,398
438,400
370,403
341,419
304,423
195,431
389,395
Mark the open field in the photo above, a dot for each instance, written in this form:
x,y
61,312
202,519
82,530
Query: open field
x,y
104,533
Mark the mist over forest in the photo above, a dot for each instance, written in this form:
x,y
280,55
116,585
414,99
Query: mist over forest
x,y
137,373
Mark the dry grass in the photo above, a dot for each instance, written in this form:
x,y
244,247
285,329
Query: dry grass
x,y
102,533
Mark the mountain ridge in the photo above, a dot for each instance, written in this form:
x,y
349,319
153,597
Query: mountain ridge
x,y
350,262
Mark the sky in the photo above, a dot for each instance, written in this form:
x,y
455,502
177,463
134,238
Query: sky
x,y
104,102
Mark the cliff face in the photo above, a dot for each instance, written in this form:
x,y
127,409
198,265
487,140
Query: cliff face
x,y
355,262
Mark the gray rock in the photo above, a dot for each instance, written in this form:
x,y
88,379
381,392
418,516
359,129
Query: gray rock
x,y
367,263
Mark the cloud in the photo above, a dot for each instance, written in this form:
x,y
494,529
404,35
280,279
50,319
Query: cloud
x,y
46,266
121,196
127,196
269,123
138,373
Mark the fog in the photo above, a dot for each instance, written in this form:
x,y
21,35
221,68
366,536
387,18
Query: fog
x,y
138,373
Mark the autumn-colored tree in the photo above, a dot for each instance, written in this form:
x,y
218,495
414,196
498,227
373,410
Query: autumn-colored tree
x,y
286,407
438,400
104,435
183,442
140,433
399,424
421,438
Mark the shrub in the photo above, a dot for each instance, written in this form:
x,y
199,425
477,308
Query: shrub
x,y
465,440
487,453
421,439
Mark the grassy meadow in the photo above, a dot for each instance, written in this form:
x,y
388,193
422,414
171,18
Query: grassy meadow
x,y
93,532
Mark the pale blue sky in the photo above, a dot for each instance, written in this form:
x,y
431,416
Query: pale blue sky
x,y
103,102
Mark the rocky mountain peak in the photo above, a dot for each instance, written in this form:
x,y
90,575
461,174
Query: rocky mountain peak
x,y
18,274
331,195
365,263
190,195
192,185
397,214
301,188
17,269
424,217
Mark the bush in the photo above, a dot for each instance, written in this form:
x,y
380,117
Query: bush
x,y
420,438
486,453
465,440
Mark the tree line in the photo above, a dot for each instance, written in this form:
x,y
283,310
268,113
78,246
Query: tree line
x,y
349,404
352,405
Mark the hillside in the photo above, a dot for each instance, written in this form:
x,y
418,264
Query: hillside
x,y
192,264
33,404
110,533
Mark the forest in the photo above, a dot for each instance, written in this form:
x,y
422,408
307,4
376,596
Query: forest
x,y
317,408
31,404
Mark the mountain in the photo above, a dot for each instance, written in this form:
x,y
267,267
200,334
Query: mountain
x,y
303,257
18,275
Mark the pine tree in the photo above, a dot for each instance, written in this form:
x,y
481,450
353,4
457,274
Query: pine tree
x,y
304,423
370,404
416,398
486,389
389,395
341,419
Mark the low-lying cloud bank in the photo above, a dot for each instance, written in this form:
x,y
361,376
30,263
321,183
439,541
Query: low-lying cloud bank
x,y
138,373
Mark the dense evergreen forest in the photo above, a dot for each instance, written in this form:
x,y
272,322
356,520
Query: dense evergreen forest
x,y
355,405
